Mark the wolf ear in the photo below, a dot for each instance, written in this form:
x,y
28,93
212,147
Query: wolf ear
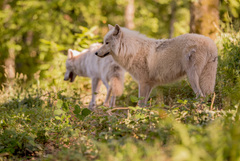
x,y
117,30
110,27
70,54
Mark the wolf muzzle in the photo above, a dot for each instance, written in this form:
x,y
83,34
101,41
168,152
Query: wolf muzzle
x,y
69,77
103,55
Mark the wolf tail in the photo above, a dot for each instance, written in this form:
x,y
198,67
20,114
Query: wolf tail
x,y
116,84
208,77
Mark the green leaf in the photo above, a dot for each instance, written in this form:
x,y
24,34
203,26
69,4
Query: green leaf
x,y
58,112
76,109
57,118
65,106
141,98
133,99
103,107
86,112
132,108
59,104
80,117
139,116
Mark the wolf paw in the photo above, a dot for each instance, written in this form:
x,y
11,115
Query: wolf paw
x,y
106,104
91,106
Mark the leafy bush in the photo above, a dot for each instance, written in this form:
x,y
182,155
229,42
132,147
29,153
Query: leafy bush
x,y
228,77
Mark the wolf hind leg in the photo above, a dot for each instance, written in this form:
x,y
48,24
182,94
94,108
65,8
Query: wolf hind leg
x,y
96,84
113,101
117,86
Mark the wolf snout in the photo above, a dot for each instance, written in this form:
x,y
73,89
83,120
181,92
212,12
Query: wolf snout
x,y
101,56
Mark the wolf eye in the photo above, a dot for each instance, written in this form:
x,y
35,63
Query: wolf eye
x,y
107,42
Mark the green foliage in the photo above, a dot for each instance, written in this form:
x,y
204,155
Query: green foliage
x,y
37,31
66,130
229,68
229,14
230,57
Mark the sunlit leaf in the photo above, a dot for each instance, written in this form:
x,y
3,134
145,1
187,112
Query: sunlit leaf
x,y
133,99
58,112
57,118
59,103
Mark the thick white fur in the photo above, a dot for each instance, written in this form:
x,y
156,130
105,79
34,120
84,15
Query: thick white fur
x,y
87,64
154,62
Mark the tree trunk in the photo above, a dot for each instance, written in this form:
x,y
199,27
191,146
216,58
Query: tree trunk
x,y
204,17
10,65
4,4
129,14
172,18
9,62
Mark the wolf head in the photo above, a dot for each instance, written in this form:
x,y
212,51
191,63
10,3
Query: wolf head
x,y
70,74
111,42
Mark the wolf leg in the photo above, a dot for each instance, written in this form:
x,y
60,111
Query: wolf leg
x,y
96,83
144,91
116,84
109,91
194,81
113,101
208,78
195,63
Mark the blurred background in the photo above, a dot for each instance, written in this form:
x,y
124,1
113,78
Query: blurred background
x,y
34,35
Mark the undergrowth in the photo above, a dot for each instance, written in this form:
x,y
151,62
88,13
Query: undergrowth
x,y
53,123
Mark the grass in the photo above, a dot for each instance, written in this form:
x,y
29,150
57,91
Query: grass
x,y
41,122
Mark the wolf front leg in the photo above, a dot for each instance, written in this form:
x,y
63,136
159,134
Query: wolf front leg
x,y
144,90
96,83
194,81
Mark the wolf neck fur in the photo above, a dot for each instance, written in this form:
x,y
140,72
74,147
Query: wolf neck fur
x,y
79,61
130,47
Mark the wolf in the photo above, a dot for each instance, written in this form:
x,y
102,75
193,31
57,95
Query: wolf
x,y
87,64
153,62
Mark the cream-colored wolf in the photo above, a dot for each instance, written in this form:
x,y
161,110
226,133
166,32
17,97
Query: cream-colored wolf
x,y
154,62
87,64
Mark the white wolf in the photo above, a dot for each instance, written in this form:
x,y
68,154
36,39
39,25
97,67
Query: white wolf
x,y
87,64
154,62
